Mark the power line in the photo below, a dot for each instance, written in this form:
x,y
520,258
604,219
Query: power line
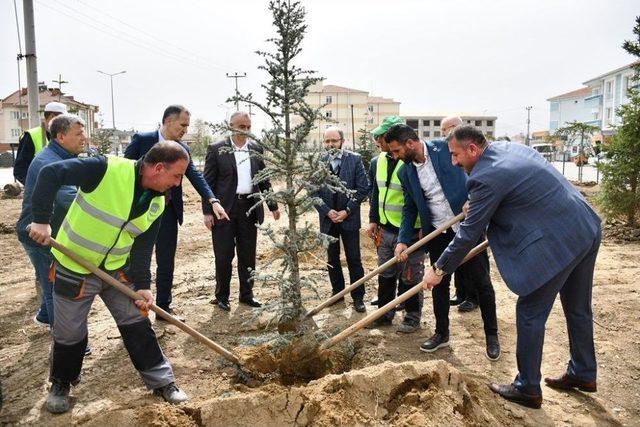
x,y
60,83
110,33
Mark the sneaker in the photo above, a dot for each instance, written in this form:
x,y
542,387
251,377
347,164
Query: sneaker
x,y
40,323
171,393
379,323
435,342
58,398
467,306
408,328
493,348
87,351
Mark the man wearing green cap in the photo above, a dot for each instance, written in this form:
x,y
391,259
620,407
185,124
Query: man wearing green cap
x,y
385,215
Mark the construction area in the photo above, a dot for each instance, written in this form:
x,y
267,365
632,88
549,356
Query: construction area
x,y
377,377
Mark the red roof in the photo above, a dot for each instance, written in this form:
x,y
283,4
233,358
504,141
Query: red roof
x,y
340,89
46,96
381,100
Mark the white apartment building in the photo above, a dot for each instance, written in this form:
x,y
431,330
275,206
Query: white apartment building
x,y
427,125
14,113
569,107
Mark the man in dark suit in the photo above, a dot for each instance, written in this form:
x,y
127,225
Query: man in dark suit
x,y
229,168
340,214
545,239
435,190
175,122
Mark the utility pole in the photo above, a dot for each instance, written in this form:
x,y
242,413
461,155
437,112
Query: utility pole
x,y
353,129
249,107
60,83
528,122
32,65
113,114
236,76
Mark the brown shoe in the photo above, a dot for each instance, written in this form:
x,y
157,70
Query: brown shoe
x,y
510,392
568,382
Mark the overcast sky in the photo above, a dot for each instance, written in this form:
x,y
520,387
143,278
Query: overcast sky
x,y
482,56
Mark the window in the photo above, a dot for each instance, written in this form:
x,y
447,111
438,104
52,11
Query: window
x,y
490,134
370,108
426,123
328,99
478,122
468,122
15,115
370,120
609,88
328,114
413,124
15,133
489,122
436,133
436,122
426,133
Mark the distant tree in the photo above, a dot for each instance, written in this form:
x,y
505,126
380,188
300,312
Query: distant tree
x,y
620,195
574,130
201,140
366,147
103,141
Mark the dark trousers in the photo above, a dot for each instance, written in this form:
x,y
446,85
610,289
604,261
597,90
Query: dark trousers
x,y
241,234
165,256
351,242
574,284
477,280
440,293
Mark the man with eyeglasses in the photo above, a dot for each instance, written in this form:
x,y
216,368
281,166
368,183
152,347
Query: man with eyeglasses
x,y
340,214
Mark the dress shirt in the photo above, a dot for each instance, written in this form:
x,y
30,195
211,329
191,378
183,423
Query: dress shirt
x,y
438,204
243,166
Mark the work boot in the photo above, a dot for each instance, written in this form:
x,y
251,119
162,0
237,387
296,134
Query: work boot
x,y
171,393
58,398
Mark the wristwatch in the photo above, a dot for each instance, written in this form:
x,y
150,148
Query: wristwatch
x,y
438,271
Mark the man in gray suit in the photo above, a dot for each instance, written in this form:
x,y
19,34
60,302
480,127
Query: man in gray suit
x,y
545,239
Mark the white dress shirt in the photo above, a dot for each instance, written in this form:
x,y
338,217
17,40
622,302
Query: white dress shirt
x,y
436,201
243,166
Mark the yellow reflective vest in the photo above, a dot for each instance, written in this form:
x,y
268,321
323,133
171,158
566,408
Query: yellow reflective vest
x,y
390,198
39,139
97,225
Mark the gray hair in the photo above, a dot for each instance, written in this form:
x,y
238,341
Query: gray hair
x,y
63,122
337,129
239,114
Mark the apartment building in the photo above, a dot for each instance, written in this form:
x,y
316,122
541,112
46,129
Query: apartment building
x,y
14,113
350,109
427,125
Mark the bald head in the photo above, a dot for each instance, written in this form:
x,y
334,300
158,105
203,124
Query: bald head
x,y
448,124
333,137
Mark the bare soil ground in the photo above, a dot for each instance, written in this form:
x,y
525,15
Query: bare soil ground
x,y
390,382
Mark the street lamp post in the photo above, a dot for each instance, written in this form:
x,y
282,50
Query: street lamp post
x,y
113,115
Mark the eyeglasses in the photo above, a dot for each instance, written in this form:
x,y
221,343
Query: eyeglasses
x,y
331,141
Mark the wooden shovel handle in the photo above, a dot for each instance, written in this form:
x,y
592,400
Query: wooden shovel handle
x,y
384,309
135,296
417,245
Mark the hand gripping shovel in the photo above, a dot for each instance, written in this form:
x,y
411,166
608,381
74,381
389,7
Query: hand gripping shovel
x,y
135,296
382,310
417,245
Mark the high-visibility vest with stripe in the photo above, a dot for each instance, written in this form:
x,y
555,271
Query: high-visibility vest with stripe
x,y
39,140
97,225
390,198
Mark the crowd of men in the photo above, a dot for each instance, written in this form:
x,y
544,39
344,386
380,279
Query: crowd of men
x,y
113,211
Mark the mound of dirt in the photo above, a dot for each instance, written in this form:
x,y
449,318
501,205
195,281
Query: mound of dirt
x,y
424,393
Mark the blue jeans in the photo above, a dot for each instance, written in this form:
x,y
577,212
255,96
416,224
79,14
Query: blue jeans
x,y
41,259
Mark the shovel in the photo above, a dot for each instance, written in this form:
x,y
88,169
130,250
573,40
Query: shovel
x,y
135,296
417,245
382,310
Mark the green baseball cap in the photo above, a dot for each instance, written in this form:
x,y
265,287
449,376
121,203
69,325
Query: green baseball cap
x,y
386,124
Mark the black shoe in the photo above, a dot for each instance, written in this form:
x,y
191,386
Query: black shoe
x,y
467,306
510,392
58,398
493,348
456,301
172,312
375,302
224,305
379,323
251,302
435,342
358,306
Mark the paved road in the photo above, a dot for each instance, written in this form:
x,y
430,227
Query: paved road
x,y
589,172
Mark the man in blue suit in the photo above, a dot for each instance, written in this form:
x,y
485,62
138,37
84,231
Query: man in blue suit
x,y
435,190
175,122
545,239
340,214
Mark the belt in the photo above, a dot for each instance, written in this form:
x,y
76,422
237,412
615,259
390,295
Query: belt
x,y
244,196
